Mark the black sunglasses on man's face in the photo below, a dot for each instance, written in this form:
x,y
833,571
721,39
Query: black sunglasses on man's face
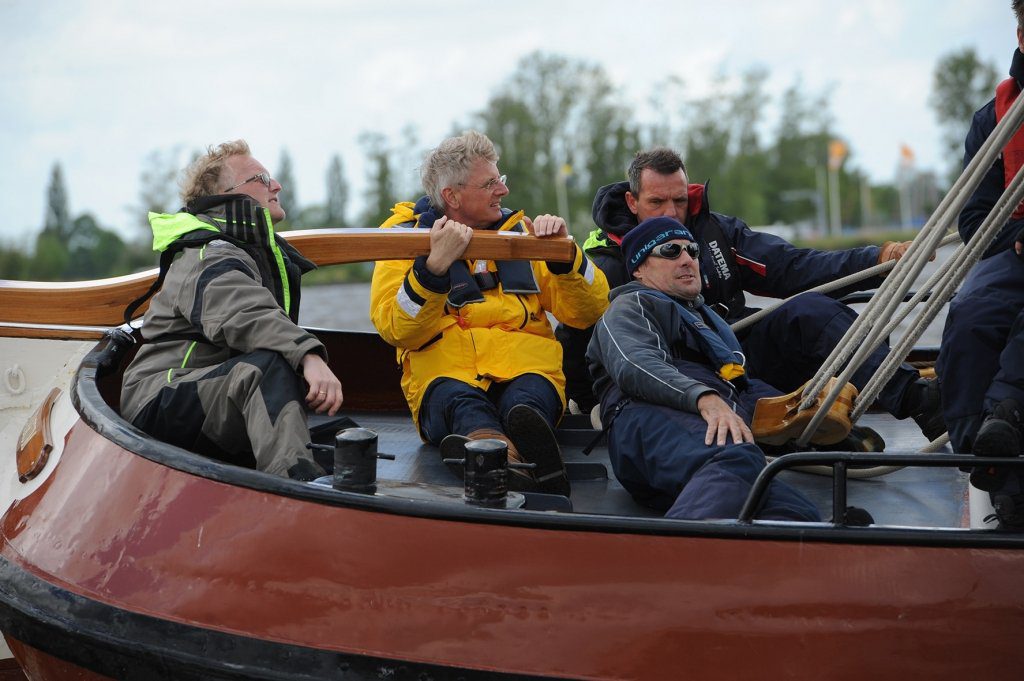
x,y
672,250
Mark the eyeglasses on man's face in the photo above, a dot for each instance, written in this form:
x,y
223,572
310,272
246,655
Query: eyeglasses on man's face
x,y
672,250
490,184
264,178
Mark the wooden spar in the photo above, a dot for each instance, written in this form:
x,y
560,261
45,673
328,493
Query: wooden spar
x,y
101,302
337,246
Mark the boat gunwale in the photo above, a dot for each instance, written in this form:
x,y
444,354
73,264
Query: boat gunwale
x,y
104,420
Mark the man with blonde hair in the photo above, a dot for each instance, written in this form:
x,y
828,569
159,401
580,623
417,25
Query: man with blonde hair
x,y
225,370
479,357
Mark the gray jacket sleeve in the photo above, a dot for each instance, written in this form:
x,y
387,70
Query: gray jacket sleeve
x,y
632,344
224,298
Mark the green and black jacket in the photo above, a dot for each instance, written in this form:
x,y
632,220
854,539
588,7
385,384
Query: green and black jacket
x,y
230,286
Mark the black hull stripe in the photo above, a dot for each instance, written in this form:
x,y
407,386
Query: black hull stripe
x,y
124,645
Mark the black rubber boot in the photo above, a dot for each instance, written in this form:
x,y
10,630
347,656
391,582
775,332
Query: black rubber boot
x,y
923,403
454,447
860,439
1009,510
858,517
306,470
1001,434
536,443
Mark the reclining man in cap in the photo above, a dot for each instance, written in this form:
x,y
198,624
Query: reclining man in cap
x,y
226,370
674,392
479,357
788,346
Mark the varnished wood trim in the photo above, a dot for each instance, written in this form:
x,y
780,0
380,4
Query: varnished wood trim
x,y
51,331
36,440
101,302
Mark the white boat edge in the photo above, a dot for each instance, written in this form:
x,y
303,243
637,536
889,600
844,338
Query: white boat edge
x,y
26,377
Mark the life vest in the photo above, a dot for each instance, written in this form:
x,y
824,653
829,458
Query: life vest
x,y
236,219
515,276
1013,152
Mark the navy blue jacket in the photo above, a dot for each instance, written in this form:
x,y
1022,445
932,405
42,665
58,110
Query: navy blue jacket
x,y
734,258
991,187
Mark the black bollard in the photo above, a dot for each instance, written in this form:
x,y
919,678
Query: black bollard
x,y
486,473
355,460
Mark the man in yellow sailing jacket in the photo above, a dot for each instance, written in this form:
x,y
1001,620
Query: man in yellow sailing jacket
x,y
479,357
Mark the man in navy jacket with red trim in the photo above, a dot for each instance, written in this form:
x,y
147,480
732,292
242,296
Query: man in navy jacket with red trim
x,y
787,347
981,363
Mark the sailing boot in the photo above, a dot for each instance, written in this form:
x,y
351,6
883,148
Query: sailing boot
x,y
923,403
1009,510
1008,503
860,439
1001,434
536,443
453,447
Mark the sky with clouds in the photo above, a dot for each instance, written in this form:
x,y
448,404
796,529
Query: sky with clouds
x,y
98,86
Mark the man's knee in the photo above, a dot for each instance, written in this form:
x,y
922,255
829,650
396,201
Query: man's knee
x,y
269,374
745,460
451,406
535,391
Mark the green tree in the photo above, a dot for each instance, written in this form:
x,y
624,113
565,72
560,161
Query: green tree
x,y
668,101
51,257
288,196
707,137
961,84
746,166
406,160
93,251
561,131
380,194
14,264
796,180
158,189
57,220
51,249
337,194
511,125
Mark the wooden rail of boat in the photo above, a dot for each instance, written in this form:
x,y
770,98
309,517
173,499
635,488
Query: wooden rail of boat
x,y
101,302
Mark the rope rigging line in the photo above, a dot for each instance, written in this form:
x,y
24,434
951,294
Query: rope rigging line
x,y
865,334
944,282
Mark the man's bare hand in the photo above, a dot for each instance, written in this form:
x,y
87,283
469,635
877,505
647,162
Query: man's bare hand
x,y
546,225
448,241
722,421
324,387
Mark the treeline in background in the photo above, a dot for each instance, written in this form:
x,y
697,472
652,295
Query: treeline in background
x,y
563,129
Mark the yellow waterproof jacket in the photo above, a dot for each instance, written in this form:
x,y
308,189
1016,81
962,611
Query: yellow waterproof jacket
x,y
504,336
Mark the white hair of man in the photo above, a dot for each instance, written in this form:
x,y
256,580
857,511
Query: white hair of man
x,y
449,164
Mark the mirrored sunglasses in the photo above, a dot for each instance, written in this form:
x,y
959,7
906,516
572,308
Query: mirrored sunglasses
x,y
672,250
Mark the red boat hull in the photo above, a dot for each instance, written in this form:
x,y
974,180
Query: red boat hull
x,y
113,528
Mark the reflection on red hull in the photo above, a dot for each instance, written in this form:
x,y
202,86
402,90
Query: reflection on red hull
x,y
117,529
